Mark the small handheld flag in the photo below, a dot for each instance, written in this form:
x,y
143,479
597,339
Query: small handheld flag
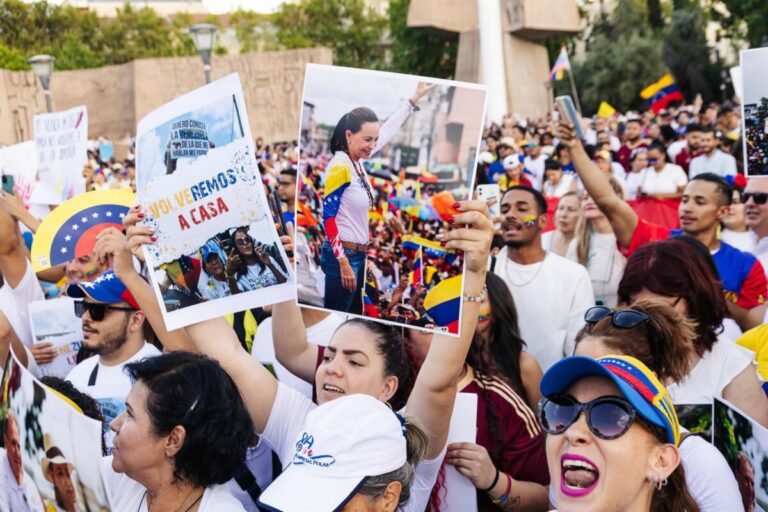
x,y
662,93
562,64
70,230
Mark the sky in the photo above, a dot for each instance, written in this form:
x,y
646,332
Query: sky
x,y
753,66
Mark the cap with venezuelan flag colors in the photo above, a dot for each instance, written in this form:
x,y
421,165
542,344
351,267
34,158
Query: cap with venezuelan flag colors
x,y
637,384
106,288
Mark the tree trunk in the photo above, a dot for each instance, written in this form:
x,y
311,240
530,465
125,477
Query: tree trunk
x,y
654,14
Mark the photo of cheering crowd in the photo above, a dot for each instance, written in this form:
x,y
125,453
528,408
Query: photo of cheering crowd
x,y
755,112
380,173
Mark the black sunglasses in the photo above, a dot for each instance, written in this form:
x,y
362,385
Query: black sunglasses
x,y
758,197
96,310
608,417
624,319
243,241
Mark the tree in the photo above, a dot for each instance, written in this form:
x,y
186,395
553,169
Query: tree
x,y
351,29
752,13
414,51
254,31
10,58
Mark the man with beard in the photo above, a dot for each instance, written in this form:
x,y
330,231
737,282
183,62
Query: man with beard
x,y
633,139
17,490
550,292
689,147
712,159
113,328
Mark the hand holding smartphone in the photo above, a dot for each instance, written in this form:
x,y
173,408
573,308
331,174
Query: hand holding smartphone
x,y
8,183
568,111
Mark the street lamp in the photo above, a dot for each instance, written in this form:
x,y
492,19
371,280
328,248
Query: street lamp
x,y
204,36
42,66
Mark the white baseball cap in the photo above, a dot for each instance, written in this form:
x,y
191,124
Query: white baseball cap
x,y
511,161
343,442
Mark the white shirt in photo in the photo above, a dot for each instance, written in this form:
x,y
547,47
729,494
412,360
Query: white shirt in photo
x,y
17,497
665,181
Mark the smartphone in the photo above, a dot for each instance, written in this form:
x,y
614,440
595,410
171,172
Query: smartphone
x,y
487,192
568,111
8,183
275,206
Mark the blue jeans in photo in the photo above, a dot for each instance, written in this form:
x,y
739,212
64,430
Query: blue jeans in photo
x,y
337,297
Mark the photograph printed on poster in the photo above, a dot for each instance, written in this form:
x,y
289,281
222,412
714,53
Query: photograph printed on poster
x,y
217,250
755,111
383,159
50,453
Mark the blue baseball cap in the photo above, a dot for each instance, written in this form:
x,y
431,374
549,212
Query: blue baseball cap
x,y
107,288
637,383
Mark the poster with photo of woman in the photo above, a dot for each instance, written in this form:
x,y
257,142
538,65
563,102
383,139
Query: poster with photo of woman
x,y
384,157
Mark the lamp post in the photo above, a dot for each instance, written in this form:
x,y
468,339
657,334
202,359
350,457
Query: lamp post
x,y
42,66
204,36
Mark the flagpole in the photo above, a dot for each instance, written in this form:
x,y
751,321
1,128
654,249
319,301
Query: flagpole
x,y
573,90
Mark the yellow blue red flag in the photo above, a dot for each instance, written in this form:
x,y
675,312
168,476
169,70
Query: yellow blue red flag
x,y
443,303
562,64
70,230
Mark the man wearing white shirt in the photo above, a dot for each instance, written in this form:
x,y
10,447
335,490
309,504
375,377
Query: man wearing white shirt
x,y
550,292
18,492
755,200
712,159
534,162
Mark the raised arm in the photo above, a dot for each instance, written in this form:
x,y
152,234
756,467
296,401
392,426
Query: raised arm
x,y
392,125
290,340
431,401
622,217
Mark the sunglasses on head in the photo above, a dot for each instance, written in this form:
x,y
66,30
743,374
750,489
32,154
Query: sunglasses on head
x,y
608,417
624,319
96,310
758,197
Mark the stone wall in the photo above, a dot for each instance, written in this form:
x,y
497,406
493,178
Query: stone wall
x,y
117,97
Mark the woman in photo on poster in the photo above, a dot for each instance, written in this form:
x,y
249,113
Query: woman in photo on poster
x,y
250,266
348,198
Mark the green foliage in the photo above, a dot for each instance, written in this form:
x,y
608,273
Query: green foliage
x,y
413,51
10,58
351,29
752,13
254,31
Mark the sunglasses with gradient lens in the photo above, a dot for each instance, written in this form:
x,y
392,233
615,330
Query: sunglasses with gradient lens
x,y
759,198
624,319
96,310
608,417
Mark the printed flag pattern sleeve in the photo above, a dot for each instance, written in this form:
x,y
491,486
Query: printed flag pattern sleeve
x,y
338,180
645,233
392,125
743,277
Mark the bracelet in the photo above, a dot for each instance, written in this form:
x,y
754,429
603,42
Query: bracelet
x,y
495,481
504,497
480,297
414,106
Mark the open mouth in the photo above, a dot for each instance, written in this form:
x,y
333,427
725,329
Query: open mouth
x,y
578,476
330,388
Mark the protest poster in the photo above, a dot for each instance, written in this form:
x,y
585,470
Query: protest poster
x,y
20,161
61,139
754,111
460,492
696,419
217,250
54,321
53,450
383,159
744,444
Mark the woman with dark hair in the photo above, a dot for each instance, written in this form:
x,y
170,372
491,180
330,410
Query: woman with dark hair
x,y
613,437
662,338
249,266
676,272
184,431
348,197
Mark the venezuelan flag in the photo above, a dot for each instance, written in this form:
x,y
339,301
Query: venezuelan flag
x,y
443,303
370,295
417,275
70,230
562,64
662,93
184,272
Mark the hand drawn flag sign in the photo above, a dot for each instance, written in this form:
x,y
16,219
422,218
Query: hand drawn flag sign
x,y
71,228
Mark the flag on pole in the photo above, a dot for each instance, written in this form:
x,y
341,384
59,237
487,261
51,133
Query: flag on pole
x,y
605,110
562,64
417,275
662,93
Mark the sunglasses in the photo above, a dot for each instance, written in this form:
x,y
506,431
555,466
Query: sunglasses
x,y
624,319
243,241
96,310
608,417
758,197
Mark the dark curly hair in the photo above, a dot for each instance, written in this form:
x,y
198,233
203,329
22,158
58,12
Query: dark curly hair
x,y
194,392
85,402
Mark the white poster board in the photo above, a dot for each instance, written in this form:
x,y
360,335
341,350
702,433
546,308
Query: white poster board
x,y
54,321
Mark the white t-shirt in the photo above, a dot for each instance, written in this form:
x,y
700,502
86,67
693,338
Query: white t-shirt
x,y
289,412
605,265
665,181
536,167
742,240
633,183
129,495
259,461
675,148
719,163
211,288
550,297
708,476
258,276
14,303
111,385
14,497
712,373
563,186
264,349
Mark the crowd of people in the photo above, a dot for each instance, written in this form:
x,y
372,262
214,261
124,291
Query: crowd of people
x,y
590,314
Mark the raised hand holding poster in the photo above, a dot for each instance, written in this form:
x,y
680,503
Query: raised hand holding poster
x,y
217,250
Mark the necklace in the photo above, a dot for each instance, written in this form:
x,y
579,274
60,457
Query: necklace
x,y
144,496
509,276
363,181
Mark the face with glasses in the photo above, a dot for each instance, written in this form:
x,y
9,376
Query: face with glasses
x,y
755,200
105,326
244,243
599,453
